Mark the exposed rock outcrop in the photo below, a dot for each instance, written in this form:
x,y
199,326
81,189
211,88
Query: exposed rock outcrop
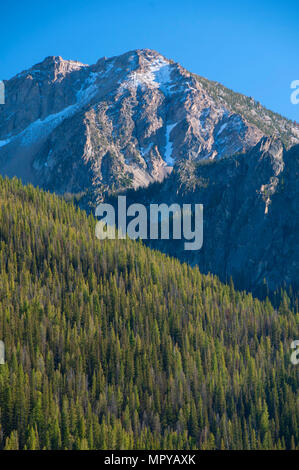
x,y
123,122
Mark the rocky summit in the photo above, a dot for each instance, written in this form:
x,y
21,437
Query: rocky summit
x,y
142,122
123,122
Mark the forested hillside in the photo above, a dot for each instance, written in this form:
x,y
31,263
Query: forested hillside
x,y
110,345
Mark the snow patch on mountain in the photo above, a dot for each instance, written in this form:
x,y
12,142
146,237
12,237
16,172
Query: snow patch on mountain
x,y
222,128
42,128
146,150
4,142
168,149
154,75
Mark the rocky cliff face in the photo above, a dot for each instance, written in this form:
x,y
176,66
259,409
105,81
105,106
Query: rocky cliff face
x,y
123,122
250,215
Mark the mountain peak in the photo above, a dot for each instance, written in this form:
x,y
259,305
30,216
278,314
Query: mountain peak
x,y
53,66
126,120
58,66
57,60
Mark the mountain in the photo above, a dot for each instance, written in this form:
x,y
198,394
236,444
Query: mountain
x,y
123,122
142,122
111,345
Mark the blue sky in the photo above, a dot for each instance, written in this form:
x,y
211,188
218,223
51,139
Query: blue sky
x,y
249,46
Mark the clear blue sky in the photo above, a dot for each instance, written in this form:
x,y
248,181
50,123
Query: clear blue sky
x,y
249,46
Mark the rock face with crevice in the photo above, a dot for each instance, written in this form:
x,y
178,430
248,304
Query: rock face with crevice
x,y
123,122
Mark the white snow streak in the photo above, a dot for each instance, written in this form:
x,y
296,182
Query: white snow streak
x,y
146,150
222,128
156,75
168,149
4,142
42,128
